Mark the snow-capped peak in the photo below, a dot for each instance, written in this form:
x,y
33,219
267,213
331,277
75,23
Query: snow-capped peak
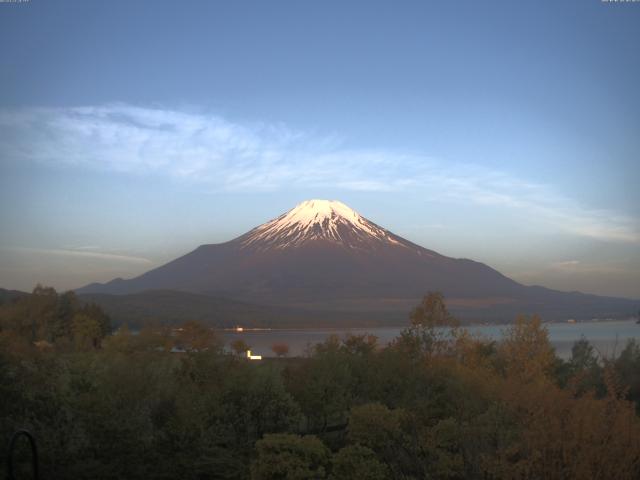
x,y
310,212
318,220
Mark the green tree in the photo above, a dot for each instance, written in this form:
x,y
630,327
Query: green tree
x,y
239,347
441,451
382,430
94,311
285,456
323,385
584,370
86,330
61,327
357,461
256,402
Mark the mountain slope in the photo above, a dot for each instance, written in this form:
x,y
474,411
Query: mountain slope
x,y
7,296
325,256
173,307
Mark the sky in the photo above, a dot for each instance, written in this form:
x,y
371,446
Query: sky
x,y
505,132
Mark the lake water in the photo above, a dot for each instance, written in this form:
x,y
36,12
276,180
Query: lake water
x,y
608,337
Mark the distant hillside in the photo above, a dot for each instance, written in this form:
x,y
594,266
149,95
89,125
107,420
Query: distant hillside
x,y
9,295
173,307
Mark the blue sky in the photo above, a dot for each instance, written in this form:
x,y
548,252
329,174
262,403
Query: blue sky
x,y
506,132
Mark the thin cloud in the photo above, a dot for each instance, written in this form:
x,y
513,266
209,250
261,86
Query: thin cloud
x,y
85,254
565,264
230,156
576,267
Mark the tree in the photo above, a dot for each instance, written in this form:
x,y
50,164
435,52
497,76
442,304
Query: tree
x,y
192,336
432,312
256,402
331,345
159,338
90,325
583,356
440,448
87,332
290,457
584,370
239,347
104,322
381,429
561,436
627,367
322,385
360,344
280,349
357,461
121,340
432,329
61,328
526,350
30,317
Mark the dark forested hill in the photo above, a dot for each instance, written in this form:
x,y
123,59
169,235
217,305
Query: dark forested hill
x,y
9,295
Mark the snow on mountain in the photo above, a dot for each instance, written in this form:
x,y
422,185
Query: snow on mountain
x,y
317,220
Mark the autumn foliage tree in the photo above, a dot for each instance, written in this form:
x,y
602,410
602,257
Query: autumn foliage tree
x,y
525,351
439,402
193,336
280,349
432,312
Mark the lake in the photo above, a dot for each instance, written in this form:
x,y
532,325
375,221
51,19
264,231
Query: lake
x,y
608,337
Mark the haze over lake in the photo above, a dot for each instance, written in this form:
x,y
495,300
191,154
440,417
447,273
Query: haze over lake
x,y
607,337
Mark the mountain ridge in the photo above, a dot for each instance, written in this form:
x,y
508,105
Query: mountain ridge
x,y
321,254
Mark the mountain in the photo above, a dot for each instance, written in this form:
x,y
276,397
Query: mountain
x,y
173,307
324,256
7,296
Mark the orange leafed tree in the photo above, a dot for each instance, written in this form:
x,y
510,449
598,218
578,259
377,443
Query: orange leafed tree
x,y
280,349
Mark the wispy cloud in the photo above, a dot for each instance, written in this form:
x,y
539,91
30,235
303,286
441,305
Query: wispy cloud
x,y
534,201
224,155
565,264
83,253
593,269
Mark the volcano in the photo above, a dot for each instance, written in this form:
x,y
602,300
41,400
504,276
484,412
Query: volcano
x,y
324,256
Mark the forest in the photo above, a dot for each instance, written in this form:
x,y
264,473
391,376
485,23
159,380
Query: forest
x,y
436,403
